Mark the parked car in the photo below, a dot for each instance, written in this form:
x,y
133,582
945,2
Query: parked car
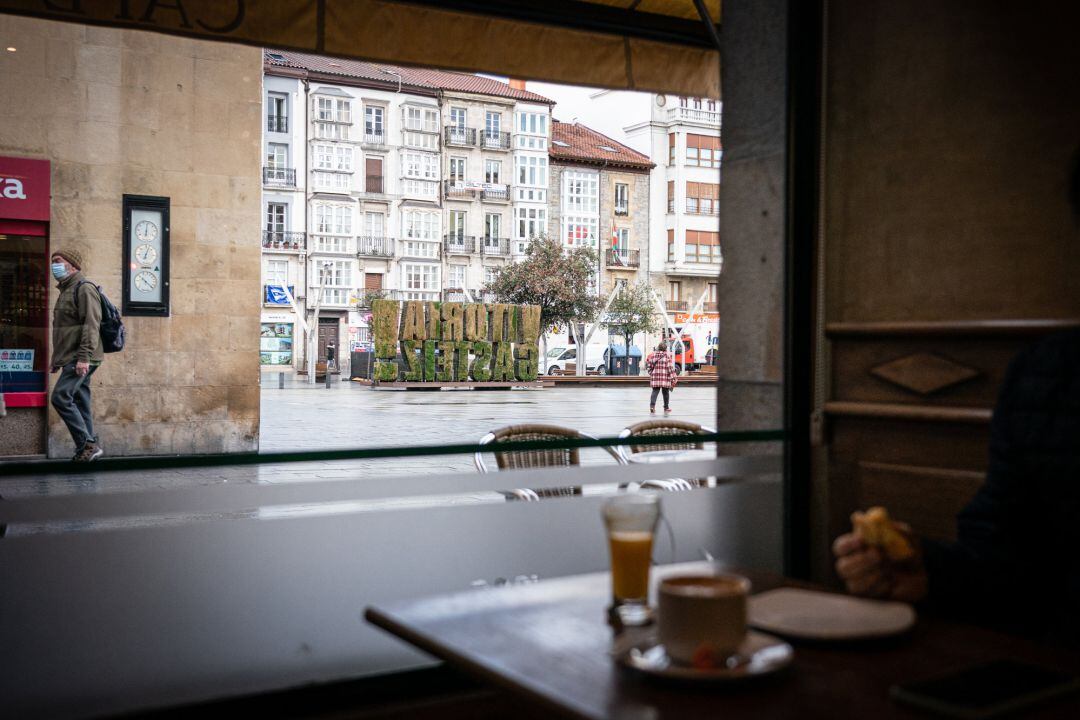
x,y
562,360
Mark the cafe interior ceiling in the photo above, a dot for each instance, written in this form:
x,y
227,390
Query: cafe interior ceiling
x,y
649,45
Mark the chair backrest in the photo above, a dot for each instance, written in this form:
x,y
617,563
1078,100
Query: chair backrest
x,y
664,427
534,458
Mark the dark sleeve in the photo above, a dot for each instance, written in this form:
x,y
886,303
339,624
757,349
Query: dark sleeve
x,y
980,574
88,305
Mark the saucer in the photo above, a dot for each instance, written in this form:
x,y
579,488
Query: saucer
x,y
813,615
760,654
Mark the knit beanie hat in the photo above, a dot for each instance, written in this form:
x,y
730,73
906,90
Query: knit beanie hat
x,y
72,256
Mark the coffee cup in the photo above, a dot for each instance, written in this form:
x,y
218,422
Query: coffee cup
x,y
702,617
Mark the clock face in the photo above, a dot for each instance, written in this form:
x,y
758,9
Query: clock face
x,y
145,281
145,254
661,101
146,231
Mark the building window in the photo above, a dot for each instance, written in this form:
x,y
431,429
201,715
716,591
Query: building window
x,y
580,231
420,225
493,125
420,188
277,272
713,292
373,174
336,110
331,131
277,156
703,198
532,170
622,199
374,224
702,151
675,290
491,274
532,222
671,246
455,277
333,219
373,281
712,106
421,165
373,123
275,217
492,228
580,192
332,181
682,102
671,196
621,240
421,119
277,112
705,244
458,118
671,148
532,123
419,280
492,172
420,249
697,103
457,169
458,219
421,141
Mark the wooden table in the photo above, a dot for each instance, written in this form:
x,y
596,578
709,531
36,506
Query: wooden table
x,y
549,642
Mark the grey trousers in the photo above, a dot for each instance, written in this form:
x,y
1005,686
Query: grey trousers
x,y
656,391
71,398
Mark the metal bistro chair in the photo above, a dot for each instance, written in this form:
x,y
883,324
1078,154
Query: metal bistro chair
x,y
556,457
664,427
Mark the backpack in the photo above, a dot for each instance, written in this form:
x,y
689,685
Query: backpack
x,y
113,332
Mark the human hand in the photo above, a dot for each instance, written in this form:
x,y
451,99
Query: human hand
x,y
81,368
867,572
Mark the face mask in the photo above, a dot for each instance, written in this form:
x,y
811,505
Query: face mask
x,y
59,271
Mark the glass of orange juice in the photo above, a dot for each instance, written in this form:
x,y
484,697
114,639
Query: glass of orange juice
x,y
631,520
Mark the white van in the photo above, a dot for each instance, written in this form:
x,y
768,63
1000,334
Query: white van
x,y
562,360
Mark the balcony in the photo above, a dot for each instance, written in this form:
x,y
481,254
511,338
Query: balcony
x,y
290,241
455,136
365,296
277,123
622,210
373,184
676,305
458,190
629,259
374,139
496,247
461,295
455,244
495,140
279,177
499,193
710,307
701,117
374,246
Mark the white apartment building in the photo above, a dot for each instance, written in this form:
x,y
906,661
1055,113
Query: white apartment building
x,y
387,181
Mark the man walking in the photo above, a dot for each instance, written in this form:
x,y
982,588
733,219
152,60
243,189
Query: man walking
x,y
662,376
77,351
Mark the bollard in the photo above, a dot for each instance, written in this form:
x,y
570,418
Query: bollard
x,y
327,376
281,381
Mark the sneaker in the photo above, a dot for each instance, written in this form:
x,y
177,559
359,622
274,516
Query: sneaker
x,y
91,451
652,411
667,411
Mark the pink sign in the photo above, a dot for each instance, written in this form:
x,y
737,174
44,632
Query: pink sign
x,y
24,189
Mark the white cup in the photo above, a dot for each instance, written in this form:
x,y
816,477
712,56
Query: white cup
x,y
702,617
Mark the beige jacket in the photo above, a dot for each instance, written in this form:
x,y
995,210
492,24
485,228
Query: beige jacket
x,y
76,326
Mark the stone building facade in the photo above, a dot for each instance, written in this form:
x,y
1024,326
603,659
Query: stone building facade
x,y
119,112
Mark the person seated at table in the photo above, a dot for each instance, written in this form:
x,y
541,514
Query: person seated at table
x,y
1016,562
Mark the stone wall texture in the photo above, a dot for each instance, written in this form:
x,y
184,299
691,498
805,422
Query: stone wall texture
x,y
125,112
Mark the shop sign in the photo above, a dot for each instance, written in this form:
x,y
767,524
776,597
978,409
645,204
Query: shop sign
x,y
17,360
24,189
705,317
275,295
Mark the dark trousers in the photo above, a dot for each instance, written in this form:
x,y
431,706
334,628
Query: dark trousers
x,y
667,397
71,398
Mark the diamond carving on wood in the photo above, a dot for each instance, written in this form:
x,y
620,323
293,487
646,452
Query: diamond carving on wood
x,y
924,373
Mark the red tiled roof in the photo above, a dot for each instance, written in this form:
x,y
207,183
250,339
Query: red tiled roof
x,y
586,145
421,78
466,82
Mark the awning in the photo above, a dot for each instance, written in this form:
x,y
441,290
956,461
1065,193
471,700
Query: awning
x,y
653,45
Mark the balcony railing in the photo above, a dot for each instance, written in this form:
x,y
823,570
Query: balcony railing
x,y
279,177
459,136
623,258
622,210
495,192
681,114
374,246
495,140
497,247
374,138
459,295
677,305
365,297
277,123
710,306
283,240
460,244
457,189
373,184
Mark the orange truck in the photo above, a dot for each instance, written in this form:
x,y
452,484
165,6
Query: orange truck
x,y
686,359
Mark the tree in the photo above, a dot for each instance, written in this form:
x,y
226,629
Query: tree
x,y
557,279
631,312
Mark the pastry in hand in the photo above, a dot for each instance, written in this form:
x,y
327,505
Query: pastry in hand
x,y
876,529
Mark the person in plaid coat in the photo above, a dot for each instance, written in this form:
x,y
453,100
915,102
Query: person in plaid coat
x,y
662,376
